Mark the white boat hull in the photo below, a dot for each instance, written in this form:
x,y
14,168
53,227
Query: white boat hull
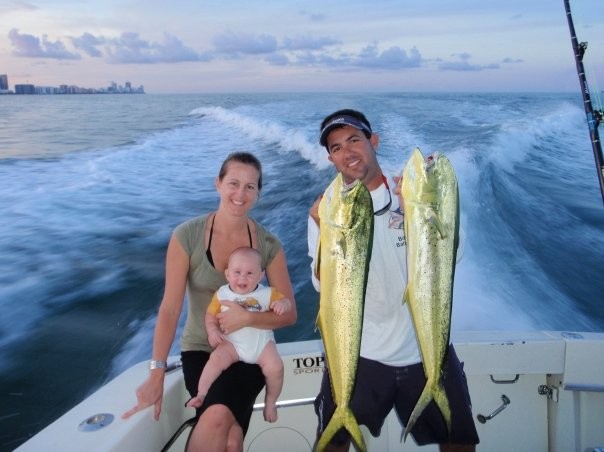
x,y
554,384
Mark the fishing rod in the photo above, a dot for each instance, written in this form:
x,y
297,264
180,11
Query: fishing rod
x,y
594,117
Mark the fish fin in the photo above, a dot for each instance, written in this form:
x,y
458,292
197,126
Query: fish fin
x,y
342,244
317,260
317,274
423,401
442,401
434,220
342,417
353,428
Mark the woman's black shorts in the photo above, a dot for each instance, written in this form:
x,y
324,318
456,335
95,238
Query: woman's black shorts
x,y
237,387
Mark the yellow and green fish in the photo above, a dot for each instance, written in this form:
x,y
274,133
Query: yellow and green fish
x,y
346,234
431,206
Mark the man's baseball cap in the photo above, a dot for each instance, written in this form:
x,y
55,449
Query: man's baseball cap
x,y
340,121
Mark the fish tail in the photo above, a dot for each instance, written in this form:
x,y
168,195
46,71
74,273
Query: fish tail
x,y
430,392
442,401
342,417
423,401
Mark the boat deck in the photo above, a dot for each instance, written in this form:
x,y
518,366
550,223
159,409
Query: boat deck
x,y
553,382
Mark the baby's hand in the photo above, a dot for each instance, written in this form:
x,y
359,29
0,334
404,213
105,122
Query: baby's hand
x,y
215,338
280,307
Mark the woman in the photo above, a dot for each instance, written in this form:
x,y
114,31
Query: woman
x,y
197,256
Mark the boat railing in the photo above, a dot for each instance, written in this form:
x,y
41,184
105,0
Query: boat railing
x,y
287,403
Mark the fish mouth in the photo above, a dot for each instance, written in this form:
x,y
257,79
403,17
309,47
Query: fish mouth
x,y
350,186
431,160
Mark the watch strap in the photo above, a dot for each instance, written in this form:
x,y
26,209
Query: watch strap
x,y
153,364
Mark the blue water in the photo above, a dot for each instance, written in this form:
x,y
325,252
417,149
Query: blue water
x,y
92,186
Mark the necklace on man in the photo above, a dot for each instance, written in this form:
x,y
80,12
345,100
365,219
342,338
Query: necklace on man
x,y
384,209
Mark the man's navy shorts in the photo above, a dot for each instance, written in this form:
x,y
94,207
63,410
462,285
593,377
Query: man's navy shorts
x,y
379,388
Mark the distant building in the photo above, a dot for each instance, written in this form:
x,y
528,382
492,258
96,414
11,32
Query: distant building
x,y
25,89
114,88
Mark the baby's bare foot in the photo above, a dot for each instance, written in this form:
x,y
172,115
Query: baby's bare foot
x,y
196,401
270,412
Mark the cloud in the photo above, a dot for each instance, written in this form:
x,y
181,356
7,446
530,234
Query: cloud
x,y
463,65
370,57
298,51
314,17
15,5
308,43
319,59
30,46
129,48
391,58
88,43
512,60
277,59
236,44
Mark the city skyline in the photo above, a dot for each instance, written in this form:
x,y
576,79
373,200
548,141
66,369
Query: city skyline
x,y
65,88
218,46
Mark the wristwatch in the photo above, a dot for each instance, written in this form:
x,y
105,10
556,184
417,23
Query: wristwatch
x,y
153,364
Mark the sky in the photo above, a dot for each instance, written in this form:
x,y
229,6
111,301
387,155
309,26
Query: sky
x,y
198,46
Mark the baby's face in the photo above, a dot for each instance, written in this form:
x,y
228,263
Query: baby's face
x,y
243,274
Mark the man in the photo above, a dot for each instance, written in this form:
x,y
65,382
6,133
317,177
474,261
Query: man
x,y
390,373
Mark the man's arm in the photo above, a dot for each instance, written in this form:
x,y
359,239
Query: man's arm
x,y
313,243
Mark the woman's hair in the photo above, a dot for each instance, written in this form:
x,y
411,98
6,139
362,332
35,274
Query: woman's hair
x,y
242,157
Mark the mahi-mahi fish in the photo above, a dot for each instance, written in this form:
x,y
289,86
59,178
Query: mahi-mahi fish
x,y
431,205
346,234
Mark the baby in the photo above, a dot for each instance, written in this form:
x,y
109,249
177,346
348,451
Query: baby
x,y
251,345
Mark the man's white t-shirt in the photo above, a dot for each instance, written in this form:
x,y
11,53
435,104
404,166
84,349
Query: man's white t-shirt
x,y
388,334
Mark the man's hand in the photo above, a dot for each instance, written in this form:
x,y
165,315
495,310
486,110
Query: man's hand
x,y
397,191
314,209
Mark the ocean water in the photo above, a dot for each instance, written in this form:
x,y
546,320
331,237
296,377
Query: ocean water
x,y
92,186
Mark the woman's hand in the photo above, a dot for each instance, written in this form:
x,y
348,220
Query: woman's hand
x,y
151,392
234,318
